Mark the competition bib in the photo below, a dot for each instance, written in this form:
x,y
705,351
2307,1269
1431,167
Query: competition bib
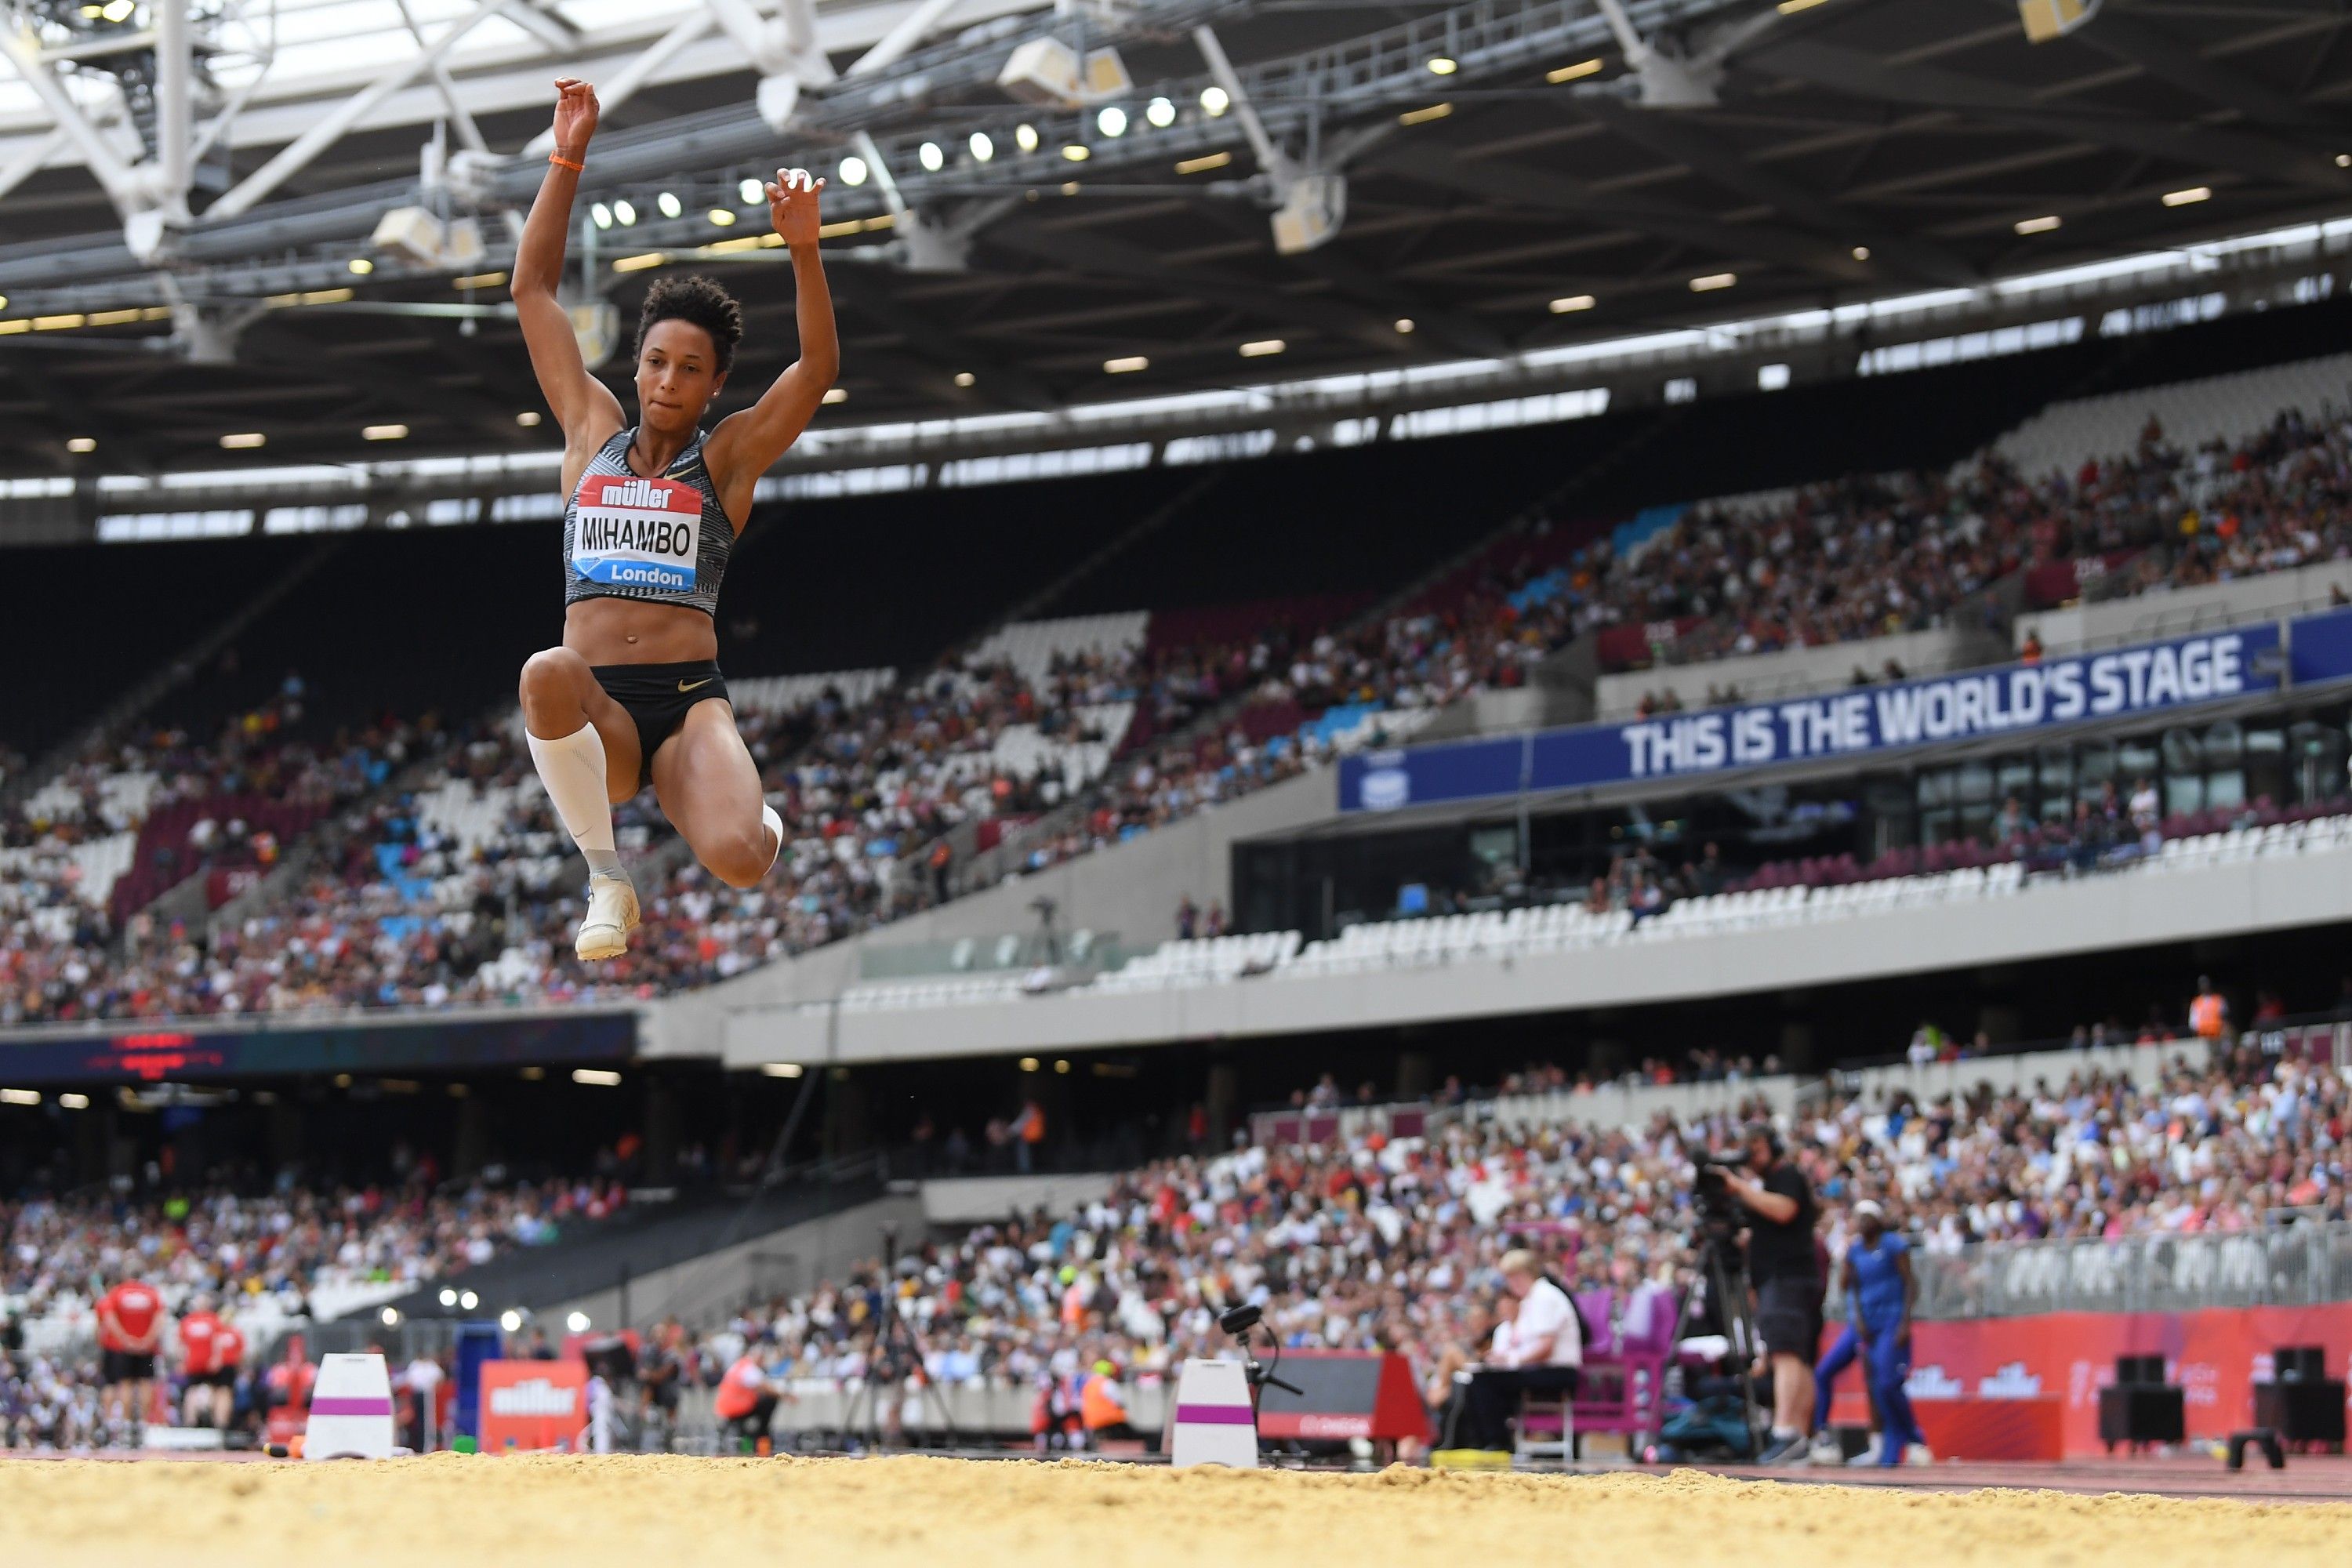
x,y
638,533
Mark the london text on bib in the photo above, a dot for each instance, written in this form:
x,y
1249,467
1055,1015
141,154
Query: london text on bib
x,y
638,533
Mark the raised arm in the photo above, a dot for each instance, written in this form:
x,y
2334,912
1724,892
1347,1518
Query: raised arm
x,y
584,406
747,443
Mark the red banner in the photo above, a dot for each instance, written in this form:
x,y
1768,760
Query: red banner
x,y
2216,1358
1631,644
533,1405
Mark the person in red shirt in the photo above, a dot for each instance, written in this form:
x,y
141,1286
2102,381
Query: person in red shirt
x,y
211,1351
130,1327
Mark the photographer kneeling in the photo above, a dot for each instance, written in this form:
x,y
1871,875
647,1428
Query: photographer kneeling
x,y
1786,1276
1546,1348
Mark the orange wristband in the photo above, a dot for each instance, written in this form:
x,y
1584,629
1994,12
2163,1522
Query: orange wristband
x,y
560,158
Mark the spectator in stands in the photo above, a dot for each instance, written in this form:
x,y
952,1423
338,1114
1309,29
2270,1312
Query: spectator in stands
x,y
1782,1263
2209,1012
1187,918
1538,1347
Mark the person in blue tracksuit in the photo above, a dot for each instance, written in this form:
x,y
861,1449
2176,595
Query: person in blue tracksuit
x,y
1881,1292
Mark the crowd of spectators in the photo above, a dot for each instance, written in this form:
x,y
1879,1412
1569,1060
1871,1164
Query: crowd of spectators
x,y
1866,556
1395,1242
883,798
260,1261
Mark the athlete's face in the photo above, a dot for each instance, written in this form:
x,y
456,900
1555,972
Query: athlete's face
x,y
678,375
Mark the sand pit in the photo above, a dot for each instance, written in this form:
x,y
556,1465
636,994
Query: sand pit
x,y
645,1512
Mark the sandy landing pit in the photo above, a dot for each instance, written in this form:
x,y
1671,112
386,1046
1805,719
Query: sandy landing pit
x,y
648,1513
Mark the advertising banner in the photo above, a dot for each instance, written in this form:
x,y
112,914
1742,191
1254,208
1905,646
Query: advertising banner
x,y
2150,678
533,1406
2215,1357
148,1054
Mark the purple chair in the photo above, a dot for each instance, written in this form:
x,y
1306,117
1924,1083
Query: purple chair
x,y
1622,1388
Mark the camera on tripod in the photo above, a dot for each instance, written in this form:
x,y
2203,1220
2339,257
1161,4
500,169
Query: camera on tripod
x,y
1721,1216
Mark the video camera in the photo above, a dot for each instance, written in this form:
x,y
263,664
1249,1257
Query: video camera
x,y
1721,1216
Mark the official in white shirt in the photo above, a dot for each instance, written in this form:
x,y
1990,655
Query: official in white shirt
x,y
1540,1354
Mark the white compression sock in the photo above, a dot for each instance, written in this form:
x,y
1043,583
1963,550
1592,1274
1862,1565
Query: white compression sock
x,y
775,825
573,769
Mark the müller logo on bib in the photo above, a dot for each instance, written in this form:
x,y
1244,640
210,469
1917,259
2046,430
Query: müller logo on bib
x,y
638,532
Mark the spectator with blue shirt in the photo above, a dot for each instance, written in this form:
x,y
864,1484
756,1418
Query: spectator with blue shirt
x,y
1881,1292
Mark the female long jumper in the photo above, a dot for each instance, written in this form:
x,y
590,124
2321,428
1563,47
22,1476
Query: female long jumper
x,y
634,694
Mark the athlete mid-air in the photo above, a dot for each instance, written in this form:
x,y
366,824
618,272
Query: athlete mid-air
x,y
633,695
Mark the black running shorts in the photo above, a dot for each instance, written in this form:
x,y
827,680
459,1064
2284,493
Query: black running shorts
x,y
657,696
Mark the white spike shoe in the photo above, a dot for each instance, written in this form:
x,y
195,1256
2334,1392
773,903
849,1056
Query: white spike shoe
x,y
612,916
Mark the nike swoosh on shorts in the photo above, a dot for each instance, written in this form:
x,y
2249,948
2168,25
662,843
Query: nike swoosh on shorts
x,y
682,686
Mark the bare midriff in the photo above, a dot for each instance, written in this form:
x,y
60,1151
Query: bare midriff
x,y
633,631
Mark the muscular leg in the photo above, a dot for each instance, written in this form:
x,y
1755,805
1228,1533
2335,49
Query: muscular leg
x,y
585,747
560,697
709,789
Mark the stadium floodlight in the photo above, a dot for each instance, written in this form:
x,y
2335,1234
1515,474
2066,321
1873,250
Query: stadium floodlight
x,y
834,395
1262,347
723,217
596,1078
360,265
510,1321
468,1301
1862,253
117,10
2189,198
1215,101
1442,65
1078,151
930,157
81,444
793,1070
577,1322
1404,323
1572,72
244,441
391,1316
962,378
1572,303
1126,364
983,149
449,1297
528,419
1160,112
1111,121
601,214
752,192
1024,136
670,204
383,433
624,212
1712,281
75,1101
2043,225
852,170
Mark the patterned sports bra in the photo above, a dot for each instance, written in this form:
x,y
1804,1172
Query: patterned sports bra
x,y
664,541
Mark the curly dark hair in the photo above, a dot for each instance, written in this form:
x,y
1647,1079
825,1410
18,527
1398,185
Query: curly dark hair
x,y
699,301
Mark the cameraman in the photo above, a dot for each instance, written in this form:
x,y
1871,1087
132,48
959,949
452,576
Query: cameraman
x,y
1782,1264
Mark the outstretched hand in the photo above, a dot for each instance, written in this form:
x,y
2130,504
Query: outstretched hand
x,y
575,115
792,205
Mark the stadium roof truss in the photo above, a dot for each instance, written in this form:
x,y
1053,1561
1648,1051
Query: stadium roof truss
x,y
191,193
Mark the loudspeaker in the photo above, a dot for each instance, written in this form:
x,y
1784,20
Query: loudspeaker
x,y
2137,1412
2300,1364
2301,1412
2134,1369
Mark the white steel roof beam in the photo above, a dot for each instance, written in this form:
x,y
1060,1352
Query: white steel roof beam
x,y
104,163
298,154
642,68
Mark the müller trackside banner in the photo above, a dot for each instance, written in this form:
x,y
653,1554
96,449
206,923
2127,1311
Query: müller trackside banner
x,y
2147,679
